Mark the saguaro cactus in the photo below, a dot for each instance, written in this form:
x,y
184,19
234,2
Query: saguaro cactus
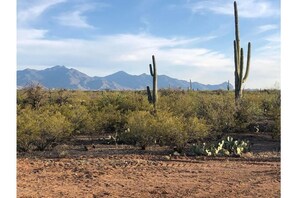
x,y
239,59
153,97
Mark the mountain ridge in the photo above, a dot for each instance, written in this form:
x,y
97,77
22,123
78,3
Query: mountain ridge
x,y
61,77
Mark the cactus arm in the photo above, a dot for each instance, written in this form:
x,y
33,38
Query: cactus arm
x,y
149,95
236,62
247,63
241,65
241,68
154,63
151,70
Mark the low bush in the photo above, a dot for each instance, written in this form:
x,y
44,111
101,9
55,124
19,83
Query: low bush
x,y
39,129
141,130
145,129
79,117
108,120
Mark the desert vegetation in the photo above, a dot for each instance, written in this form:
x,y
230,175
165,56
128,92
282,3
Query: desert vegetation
x,y
46,118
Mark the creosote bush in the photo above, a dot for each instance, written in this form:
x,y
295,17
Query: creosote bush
x,y
145,129
39,129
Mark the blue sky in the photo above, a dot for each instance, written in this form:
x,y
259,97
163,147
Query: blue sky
x,y
191,39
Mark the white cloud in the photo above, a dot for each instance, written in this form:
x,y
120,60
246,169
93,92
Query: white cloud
x,y
28,34
268,27
74,19
128,52
246,8
30,10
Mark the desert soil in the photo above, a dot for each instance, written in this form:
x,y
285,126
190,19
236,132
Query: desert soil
x,y
123,171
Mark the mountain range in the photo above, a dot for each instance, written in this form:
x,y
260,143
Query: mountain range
x,y
61,77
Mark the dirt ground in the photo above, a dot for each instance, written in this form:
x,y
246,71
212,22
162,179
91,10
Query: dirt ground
x,y
123,171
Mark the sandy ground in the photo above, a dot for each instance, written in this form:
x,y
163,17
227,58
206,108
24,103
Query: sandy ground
x,y
107,171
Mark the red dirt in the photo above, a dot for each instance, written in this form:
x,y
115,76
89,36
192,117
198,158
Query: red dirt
x,y
106,172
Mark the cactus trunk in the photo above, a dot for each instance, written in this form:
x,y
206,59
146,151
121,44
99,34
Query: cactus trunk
x,y
239,59
153,98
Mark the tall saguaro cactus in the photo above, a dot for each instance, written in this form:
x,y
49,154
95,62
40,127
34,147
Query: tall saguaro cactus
x,y
239,59
153,97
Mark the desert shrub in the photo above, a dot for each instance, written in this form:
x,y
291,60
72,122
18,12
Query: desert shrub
x,y
196,129
77,97
34,95
60,97
141,129
27,128
276,116
170,130
39,129
144,129
108,120
53,127
123,101
132,102
217,110
247,111
179,103
79,117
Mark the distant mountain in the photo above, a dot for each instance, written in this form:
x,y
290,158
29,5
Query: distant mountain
x,y
60,77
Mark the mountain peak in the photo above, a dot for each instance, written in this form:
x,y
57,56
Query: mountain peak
x,y
118,74
57,67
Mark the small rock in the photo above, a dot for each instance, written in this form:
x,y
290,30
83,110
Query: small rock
x,y
167,157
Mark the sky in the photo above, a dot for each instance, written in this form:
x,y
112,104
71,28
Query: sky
x,y
191,39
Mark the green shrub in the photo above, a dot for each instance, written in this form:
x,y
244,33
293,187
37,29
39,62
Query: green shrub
x,y
178,102
79,117
39,129
109,120
218,111
123,101
145,129
141,129
34,95
196,129
248,111
27,128
276,116
170,130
